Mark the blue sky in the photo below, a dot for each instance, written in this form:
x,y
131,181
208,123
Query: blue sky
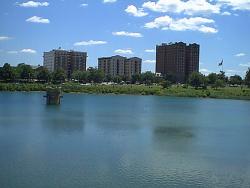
x,y
129,28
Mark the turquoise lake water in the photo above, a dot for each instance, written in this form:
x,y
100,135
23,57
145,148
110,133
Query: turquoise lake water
x,y
123,141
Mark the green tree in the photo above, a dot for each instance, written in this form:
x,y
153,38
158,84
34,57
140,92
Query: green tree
x,y
148,78
125,79
212,77
42,74
197,80
136,78
25,71
81,76
84,77
166,84
170,77
59,76
95,75
117,79
247,78
108,78
77,75
7,73
222,76
235,80
159,79
219,84
1,68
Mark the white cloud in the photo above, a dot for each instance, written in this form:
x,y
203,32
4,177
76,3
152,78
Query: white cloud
x,y
132,10
128,34
205,71
184,24
150,50
27,50
240,55
245,65
231,72
4,38
90,43
37,19
34,4
226,13
236,4
124,51
149,61
30,51
12,52
189,7
84,5
109,1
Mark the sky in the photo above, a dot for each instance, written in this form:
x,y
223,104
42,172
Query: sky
x,y
129,28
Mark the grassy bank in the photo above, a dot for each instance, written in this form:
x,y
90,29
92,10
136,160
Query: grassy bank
x,y
223,93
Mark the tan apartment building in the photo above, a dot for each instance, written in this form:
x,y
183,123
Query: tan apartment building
x,y
69,61
132,67
177,59
120,66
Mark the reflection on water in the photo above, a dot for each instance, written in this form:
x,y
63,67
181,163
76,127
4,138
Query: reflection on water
x,y
168,132
59,120
123,141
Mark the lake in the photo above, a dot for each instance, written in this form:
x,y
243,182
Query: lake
x,y
123,141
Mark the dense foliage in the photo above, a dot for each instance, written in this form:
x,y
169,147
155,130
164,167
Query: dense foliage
x,y
197,80
59,76
7,73
247,78
149,83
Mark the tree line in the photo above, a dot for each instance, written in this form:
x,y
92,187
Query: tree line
x,y
25,73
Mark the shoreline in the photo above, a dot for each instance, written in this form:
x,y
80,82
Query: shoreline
x,y
235,93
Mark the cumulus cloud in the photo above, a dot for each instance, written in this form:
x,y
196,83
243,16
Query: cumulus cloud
x,y
150,50
205,71
124,51
4,38
183,24
83,5
236,4
34,4
245,65
12,52
132,10
225,13
231,72
240,55
26,50
37,19
149,61
128,34
30,51
189,7
109,1
90,43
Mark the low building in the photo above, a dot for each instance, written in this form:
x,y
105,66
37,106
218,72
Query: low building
x,y
120,66
69,61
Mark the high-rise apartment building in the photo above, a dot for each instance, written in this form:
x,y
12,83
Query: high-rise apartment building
x,y
177,59
120,66
132,67
69,61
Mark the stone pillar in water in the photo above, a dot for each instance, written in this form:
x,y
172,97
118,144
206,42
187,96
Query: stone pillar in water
x,y
53,96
